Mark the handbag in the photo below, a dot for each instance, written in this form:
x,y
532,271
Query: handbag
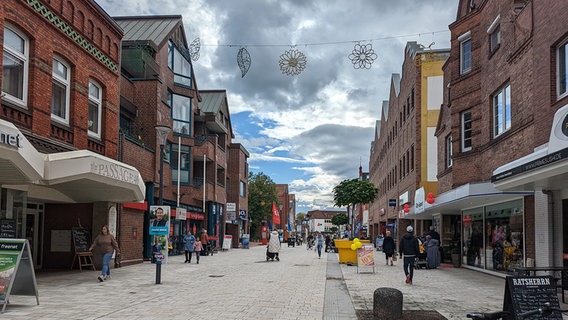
x,y
394,257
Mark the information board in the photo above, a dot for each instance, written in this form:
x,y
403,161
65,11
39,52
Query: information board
x,y
524,294
7,228
81,240
227,240
366,257
17,274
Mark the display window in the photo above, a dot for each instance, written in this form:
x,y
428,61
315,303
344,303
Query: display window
x,y
494,236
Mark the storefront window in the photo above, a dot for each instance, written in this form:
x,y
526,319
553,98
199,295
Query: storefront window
x,y
473,252
504,236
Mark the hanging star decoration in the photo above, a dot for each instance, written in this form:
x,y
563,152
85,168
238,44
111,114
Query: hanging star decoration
x,y
194,48
292,62
243,60
362,56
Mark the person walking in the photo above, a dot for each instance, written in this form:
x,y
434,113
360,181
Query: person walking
x,y
327,242
388,247
319,243
273,249
106,245
409,248
204,241
188,246
198,247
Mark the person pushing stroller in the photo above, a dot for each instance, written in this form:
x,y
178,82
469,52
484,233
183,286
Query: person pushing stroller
x,y
273,248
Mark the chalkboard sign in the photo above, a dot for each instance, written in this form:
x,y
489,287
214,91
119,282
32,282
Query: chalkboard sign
x,y
7,228
524,294
81,240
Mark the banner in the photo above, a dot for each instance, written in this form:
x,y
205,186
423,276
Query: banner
x,y
275,214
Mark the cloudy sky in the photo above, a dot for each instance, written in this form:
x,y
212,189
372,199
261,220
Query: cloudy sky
x,y
315,129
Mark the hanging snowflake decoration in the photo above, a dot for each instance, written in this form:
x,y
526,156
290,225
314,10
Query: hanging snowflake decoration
x,y
363,56
292,62
194,48
243,60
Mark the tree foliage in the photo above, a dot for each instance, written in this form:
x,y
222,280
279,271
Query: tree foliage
x,y
262,192
354,191
339,219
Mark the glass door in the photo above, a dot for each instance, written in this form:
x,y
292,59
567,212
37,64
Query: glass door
x,y
33,231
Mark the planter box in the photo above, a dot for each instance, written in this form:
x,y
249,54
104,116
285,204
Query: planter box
x,y
346,255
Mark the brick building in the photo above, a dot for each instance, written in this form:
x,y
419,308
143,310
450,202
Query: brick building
x,y
404,152
502,138
59,127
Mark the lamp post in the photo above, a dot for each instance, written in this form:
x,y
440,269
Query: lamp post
x,y
162,132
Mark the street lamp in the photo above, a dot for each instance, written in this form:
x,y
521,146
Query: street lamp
x,y
163,132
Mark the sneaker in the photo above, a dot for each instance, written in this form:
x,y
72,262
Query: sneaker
x,y
277,259
101,279
392,264
387,263
408,279
107,277
197,262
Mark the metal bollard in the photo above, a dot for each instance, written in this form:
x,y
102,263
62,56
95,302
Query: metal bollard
x,y
158,270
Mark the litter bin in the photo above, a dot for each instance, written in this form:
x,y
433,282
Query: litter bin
x,y
245,241
346,255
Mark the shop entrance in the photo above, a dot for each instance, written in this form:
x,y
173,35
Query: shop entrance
x,y
32,228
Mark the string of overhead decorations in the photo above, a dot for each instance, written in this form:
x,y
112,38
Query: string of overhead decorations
x,y
293,61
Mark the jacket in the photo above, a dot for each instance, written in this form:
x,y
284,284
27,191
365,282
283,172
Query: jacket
x,y
188,243
409,246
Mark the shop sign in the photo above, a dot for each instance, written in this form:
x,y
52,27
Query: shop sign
x,y
382,211
403,198
543,161
114,171
392,202
231,207
12,140
243,214
181,213
419,200
196,216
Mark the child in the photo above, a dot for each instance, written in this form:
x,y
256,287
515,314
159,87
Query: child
x,y
198,247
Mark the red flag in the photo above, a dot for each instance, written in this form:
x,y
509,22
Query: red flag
x,y
275,215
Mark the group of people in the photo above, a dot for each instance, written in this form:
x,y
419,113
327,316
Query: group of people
x,y
195,244
106,245
412,248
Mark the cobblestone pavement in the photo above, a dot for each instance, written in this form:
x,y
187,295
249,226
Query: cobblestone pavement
x,y
241,284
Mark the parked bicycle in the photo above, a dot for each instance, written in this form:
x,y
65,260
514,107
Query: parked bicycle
x,y
546,310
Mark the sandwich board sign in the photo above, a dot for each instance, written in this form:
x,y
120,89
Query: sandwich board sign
x,y
17,275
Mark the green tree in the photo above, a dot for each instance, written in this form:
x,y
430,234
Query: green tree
x,y
262,192
350,192
339,219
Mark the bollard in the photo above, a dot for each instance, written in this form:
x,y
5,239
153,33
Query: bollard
x,y
158,270
387,304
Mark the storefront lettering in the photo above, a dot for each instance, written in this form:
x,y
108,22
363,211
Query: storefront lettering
x,y
12,140
115,171
531,281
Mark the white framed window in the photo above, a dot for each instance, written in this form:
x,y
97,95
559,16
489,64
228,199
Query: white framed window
x,y
502,110
95,109
465,52
494,32
562,69
15,66
60,91
466,130
449,151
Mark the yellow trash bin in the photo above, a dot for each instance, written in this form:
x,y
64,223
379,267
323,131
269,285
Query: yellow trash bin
x,y
346,255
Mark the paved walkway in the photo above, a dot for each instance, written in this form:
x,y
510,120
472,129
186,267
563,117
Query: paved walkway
x,y
241,284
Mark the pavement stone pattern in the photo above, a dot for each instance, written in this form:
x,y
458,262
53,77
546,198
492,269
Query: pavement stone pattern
x,y
241,284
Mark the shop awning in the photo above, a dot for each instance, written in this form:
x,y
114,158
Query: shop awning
x,y
75,176
467,196
545,168
87,177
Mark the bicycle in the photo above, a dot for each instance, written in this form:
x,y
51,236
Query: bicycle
x,y
545,310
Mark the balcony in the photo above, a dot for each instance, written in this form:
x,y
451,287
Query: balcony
x,y
138,63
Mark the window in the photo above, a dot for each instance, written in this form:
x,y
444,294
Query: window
x,y
502,111
15,66
448,151
181,113
412,158
494,33
465,53
242,189
562,77
60,91
183,158
95,109
179,65
466,129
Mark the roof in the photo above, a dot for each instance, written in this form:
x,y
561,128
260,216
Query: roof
x,y
153,29
212,101
319,214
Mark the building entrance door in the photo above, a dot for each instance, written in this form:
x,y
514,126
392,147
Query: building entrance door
x,y
33,231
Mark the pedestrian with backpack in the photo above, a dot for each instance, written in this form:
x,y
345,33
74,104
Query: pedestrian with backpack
x,y
409,249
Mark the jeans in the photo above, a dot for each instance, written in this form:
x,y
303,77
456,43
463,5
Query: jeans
x,y
197,254
105,271
409,266
319,250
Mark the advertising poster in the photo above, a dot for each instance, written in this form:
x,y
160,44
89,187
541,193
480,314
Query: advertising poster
x,y
366,256
160,247
160,220
8,263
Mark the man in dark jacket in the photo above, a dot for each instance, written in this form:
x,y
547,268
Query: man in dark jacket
x,y
409,247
